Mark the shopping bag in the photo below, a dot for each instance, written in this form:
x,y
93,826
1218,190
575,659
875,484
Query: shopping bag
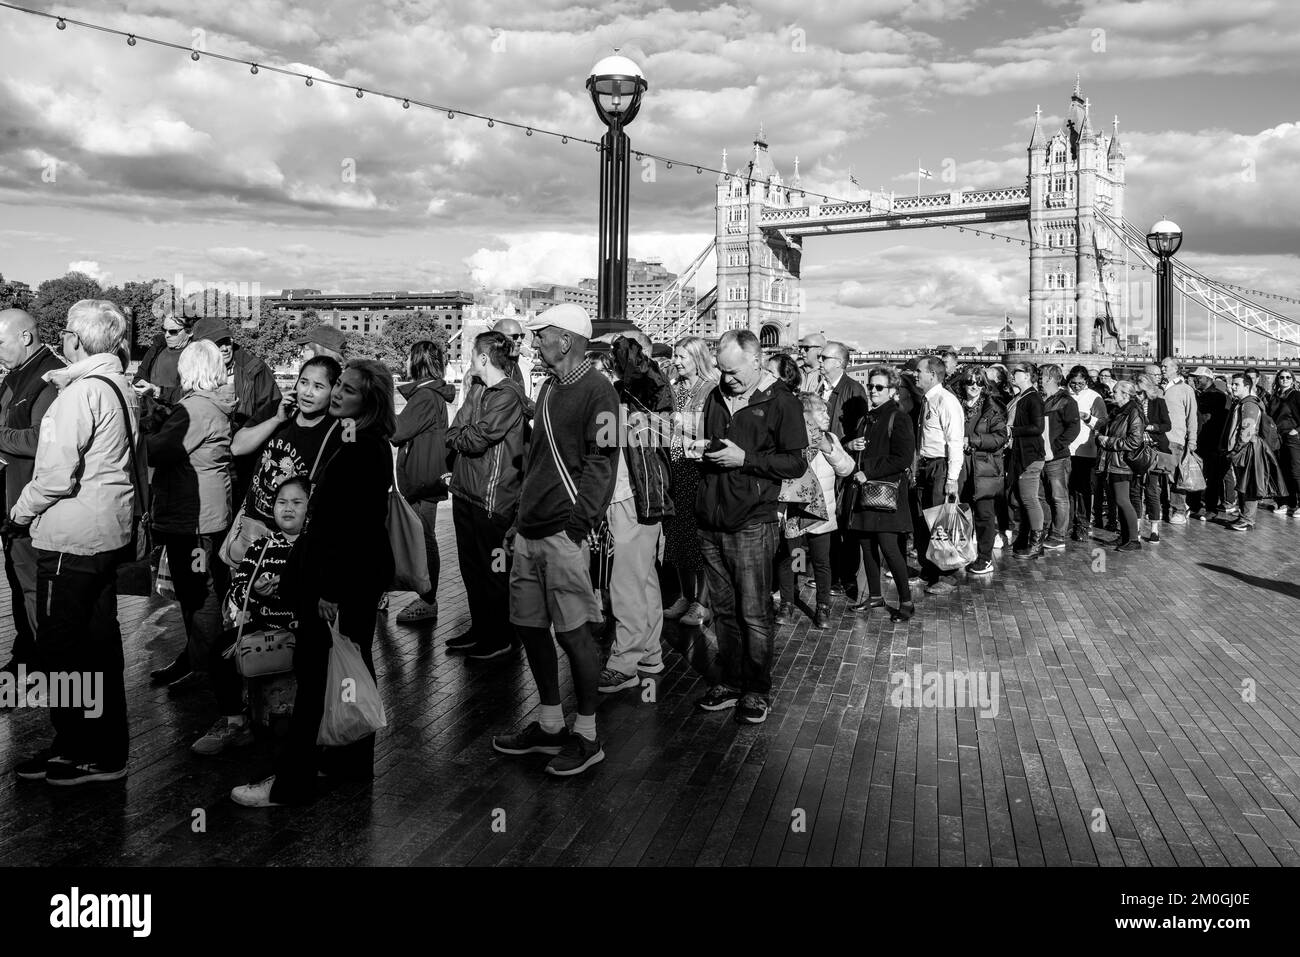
x,y
164,585
952,536
406,536
1191,474
353,708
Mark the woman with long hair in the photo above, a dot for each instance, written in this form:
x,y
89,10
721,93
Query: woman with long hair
x,y
886,455
341,566
984,465
1151,486
1084,483
421,439
696,377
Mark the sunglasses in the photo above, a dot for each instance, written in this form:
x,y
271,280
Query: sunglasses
x,y
1285,378
877,388
171,332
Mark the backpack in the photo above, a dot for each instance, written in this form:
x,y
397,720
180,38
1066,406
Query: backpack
x,y
1268,429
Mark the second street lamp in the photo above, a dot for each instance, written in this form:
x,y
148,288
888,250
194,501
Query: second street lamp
x,y
1164,239
616,85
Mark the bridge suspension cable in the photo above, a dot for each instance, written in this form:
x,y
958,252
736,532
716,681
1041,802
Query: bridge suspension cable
x,y
654,318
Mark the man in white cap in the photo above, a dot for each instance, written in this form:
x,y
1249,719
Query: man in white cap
x,y
568,483
810,354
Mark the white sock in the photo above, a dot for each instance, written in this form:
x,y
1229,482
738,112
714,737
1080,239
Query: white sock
x,y
238,720
585,725
552,718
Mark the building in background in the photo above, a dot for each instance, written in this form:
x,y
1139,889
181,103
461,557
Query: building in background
x,y
371,312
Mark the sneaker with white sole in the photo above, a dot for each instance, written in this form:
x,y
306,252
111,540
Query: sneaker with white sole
x,y
418,610
612,681
255,795
697,615
1178,518
222,735
36,767
655,669
66,773
718,698
999,542
485,652
531,740
678,608
753,709
576,756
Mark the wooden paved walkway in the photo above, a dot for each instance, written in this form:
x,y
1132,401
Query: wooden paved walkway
x,y
1148,713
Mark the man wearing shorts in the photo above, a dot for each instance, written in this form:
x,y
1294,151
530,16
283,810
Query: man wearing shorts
x,y
568,483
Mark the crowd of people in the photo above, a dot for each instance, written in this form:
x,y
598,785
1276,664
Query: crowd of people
x,y
573,495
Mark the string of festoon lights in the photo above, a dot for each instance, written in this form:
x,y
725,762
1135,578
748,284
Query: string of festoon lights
x,y
531,129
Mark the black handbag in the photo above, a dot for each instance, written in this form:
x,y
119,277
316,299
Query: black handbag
x,y
1144,459
880,495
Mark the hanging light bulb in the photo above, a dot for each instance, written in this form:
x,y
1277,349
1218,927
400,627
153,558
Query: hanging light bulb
x,y
564,139
309,81
253,69
62,24
406,104
670,165
528,132
130,40
358,93
194,55
491,123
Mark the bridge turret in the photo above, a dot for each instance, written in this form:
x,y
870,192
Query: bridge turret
x,y
1086,252
1039,214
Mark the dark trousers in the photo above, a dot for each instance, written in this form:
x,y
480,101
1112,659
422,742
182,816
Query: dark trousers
x,y
845,556
227,682
890,543
1083,480
428,512
1121,494
1288,457
1054,496
799,556
20,570
1147,488
201,580
484,569
986,525
931,478
738,569
299,757
77,632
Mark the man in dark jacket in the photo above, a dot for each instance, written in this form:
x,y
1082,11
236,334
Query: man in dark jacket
x,y
1211,418
637,510
1061,415
256,393
157,380
24,398
1284,407
754,438
485,444
846,403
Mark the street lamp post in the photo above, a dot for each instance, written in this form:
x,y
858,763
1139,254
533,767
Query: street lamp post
x,y
616,85
1164,239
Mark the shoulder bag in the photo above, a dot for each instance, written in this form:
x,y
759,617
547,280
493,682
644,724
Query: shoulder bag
x,y
1144,458
260,653
880,495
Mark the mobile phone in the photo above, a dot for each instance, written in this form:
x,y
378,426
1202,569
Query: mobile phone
x,y
715,446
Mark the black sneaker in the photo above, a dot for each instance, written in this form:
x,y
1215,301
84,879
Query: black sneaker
x,y
578,754
904,612
36,767
1054,542
531,740
175,671
718,698
66,774
483,652
462,642
191,681
1154,537
1130,546
784,612
753,709
822,618
612,681
981,567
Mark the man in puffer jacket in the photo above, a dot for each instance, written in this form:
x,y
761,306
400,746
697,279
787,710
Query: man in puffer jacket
x,y
636,512
421,438
485,444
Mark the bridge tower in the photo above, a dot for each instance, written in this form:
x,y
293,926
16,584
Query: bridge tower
x,y
758,270
1073,285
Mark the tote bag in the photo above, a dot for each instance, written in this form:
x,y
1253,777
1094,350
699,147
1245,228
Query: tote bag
x,y
406,536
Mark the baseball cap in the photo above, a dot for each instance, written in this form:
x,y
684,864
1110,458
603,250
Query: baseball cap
x,y
568,316
210,328
1203,371
327,336
661,350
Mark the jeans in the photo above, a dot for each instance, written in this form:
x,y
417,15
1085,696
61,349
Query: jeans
x,y
931,480
485,569
428,512
1147,489
20,570
738,568
1177,499
1054,495
986,526
1083,479
1028,505
814,555
890,543
1122,496
77,631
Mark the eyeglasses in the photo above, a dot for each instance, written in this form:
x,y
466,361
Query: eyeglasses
x,y
171,332
877,388
1285,378
69,332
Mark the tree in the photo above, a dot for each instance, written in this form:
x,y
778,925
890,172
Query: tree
x,y
276,339
363,346
55,297
402,332
11,297
145,304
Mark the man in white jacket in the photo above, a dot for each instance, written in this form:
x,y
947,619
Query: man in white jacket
x,y
79,505
1083,452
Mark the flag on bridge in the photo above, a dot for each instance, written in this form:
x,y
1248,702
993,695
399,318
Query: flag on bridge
x,y
924,173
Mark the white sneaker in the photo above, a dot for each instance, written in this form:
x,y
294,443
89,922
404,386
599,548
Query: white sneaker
x,y
255,795
697,616
417,610
999,542
677,608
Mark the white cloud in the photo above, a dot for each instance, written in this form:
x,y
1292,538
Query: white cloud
x,y
92,269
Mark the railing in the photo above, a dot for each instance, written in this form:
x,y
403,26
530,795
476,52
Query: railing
x,y
981,198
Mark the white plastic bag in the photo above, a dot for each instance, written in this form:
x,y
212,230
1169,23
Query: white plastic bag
x,y
353,708
164,586
952,536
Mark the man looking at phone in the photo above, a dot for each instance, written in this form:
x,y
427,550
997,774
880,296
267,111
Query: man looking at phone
x,y
754,438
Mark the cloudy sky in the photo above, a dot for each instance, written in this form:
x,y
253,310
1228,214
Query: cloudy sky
x,y
136,162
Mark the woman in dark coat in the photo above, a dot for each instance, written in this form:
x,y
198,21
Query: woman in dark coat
x,y
982,471
1151,486
1025,464
887,454
341,566
1124,434
422,459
